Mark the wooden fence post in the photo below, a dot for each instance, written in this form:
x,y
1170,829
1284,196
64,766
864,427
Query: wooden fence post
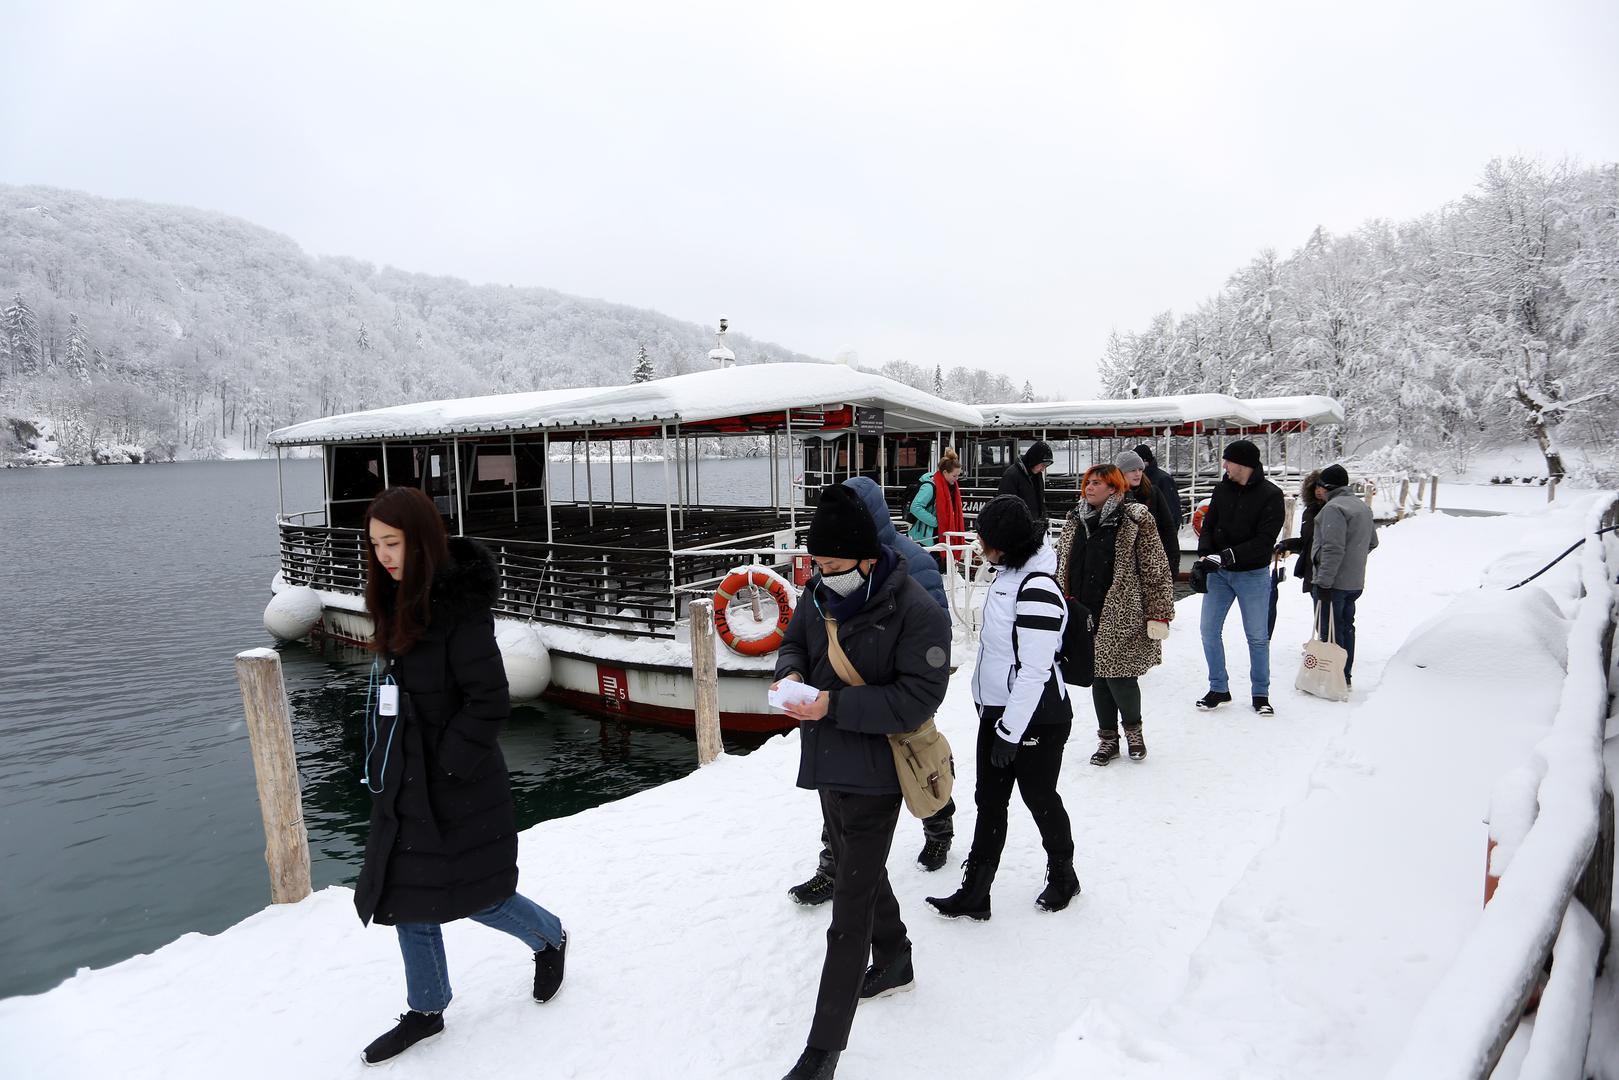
x,y
1405,491
705,677
275,764
1433,493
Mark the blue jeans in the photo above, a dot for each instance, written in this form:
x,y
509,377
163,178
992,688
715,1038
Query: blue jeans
x,y
1340,603
427,976
1250,589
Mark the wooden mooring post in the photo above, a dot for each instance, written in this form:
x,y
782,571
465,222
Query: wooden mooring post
x,y
706,681
269,730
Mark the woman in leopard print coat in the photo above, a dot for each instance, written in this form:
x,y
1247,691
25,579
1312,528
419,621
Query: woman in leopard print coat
x,y
1111,559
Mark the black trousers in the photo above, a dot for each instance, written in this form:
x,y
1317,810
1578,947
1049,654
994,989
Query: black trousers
x,y
1115,696
1034,772
941,826
865,914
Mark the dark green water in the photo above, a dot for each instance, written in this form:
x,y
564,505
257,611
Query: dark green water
x,y
128,813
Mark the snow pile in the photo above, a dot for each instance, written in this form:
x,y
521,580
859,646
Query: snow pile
x,y
1263,896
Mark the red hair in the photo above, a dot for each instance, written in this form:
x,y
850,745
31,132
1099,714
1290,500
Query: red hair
x,y
1109,475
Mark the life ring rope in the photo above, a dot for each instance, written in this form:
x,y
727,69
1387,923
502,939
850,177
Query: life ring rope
x,y
757,577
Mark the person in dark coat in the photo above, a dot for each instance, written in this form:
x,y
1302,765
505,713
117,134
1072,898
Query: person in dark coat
x,y
1300,544
442,842
1148,494
1344,535
1240,528
939,830
898,640
1163,482
1026,479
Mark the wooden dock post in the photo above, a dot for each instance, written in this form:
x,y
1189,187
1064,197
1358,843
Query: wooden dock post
x,y
1405,493
269,729
706,680
1433,493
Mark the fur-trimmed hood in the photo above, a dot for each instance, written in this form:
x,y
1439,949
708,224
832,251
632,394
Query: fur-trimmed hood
x,y
468,583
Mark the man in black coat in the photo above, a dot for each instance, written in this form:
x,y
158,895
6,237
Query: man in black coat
x,y
1240,528
1164,482
1026,479
898,640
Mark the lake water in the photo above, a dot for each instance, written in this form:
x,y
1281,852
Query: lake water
x,y
128,813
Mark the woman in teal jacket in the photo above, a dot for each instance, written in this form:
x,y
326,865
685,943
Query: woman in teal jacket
x,y
936,507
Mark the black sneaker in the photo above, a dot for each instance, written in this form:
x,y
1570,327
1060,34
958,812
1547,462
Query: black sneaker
x,y
814,1064
413,1027
548,963
817,890
1262,707
1213,700
933,855
894,977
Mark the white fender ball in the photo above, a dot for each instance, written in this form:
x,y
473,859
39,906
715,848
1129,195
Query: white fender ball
x,y
526,659
292,613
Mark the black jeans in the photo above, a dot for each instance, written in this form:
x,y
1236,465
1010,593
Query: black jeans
x,y
1034,772
865,914
1115,696
941,826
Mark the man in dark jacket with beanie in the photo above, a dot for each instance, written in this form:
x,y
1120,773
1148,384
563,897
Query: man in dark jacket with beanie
x,y
1239,531
898,641
939,830
1026,479
1165,483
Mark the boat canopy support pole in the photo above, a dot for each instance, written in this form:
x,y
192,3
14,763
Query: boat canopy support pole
x,y
545,455
668,509
512,442
280,495
460,499
590,488
792,496
385,484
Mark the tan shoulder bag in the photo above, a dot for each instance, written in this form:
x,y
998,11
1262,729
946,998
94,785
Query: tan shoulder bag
x,y
922,758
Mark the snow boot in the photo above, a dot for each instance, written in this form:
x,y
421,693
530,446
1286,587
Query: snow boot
x,y
548,963
817,890
1062,885
894,977
1262,707
1136,742
933,854
1107,747
971,901
413,1027
814,1064
1213,700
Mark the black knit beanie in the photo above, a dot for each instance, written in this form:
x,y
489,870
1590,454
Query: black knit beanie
x,y
1147,455
1006,525
842,527
1038,454
1334,476
1244,453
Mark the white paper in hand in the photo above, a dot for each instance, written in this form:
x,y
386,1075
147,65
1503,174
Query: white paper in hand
x,y
792,692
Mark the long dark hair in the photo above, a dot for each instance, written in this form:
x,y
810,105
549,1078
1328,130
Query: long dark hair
x,y
400,610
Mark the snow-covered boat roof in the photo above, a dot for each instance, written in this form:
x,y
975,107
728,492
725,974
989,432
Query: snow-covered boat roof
x,y
700,397
1204,410
1312,409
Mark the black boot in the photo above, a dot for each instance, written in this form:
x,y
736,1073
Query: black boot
x,y
1213,700
548,964
413,1027
817,890
971,901
1062,885
894,977
933,854
814,1064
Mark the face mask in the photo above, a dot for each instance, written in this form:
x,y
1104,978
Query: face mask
x,y
845,583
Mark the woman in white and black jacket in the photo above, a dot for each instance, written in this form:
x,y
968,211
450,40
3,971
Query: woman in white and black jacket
x,y
1024,715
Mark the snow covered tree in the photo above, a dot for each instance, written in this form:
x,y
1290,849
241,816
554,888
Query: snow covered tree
x,y
78,358
938,380
23,332
643,366
363,339
1028,390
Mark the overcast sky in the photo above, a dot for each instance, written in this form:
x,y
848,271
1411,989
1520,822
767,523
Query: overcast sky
x,y
994,184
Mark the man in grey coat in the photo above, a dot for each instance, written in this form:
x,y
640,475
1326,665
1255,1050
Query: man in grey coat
x,y
1344,534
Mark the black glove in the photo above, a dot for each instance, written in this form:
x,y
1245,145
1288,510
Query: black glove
x,y
1002,752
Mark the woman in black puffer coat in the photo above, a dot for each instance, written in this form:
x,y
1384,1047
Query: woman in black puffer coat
x,y
443,836
1300,544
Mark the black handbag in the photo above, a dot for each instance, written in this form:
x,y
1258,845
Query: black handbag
x,y
1200,576
1076,656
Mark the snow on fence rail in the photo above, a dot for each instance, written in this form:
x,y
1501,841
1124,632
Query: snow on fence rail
x,y
1566,855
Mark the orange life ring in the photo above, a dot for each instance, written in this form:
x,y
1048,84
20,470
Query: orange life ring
x,y
735,582
1197,517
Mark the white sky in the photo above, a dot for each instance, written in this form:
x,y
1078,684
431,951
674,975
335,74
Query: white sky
x,y
993,184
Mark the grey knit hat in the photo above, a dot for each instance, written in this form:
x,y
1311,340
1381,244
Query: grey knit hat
x,y
1129,461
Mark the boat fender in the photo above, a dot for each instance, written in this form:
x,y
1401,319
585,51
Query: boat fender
x,y
525,657
292,613
774,584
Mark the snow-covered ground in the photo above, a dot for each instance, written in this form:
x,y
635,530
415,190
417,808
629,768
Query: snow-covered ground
x,y
1263,897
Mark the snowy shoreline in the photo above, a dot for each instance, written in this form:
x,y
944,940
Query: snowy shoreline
x,y
1263,897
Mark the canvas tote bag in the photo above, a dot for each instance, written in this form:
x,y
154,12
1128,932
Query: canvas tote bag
x,y
922,758
1322,672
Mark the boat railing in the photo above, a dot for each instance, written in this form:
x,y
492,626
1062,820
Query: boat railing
x,y
620,589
